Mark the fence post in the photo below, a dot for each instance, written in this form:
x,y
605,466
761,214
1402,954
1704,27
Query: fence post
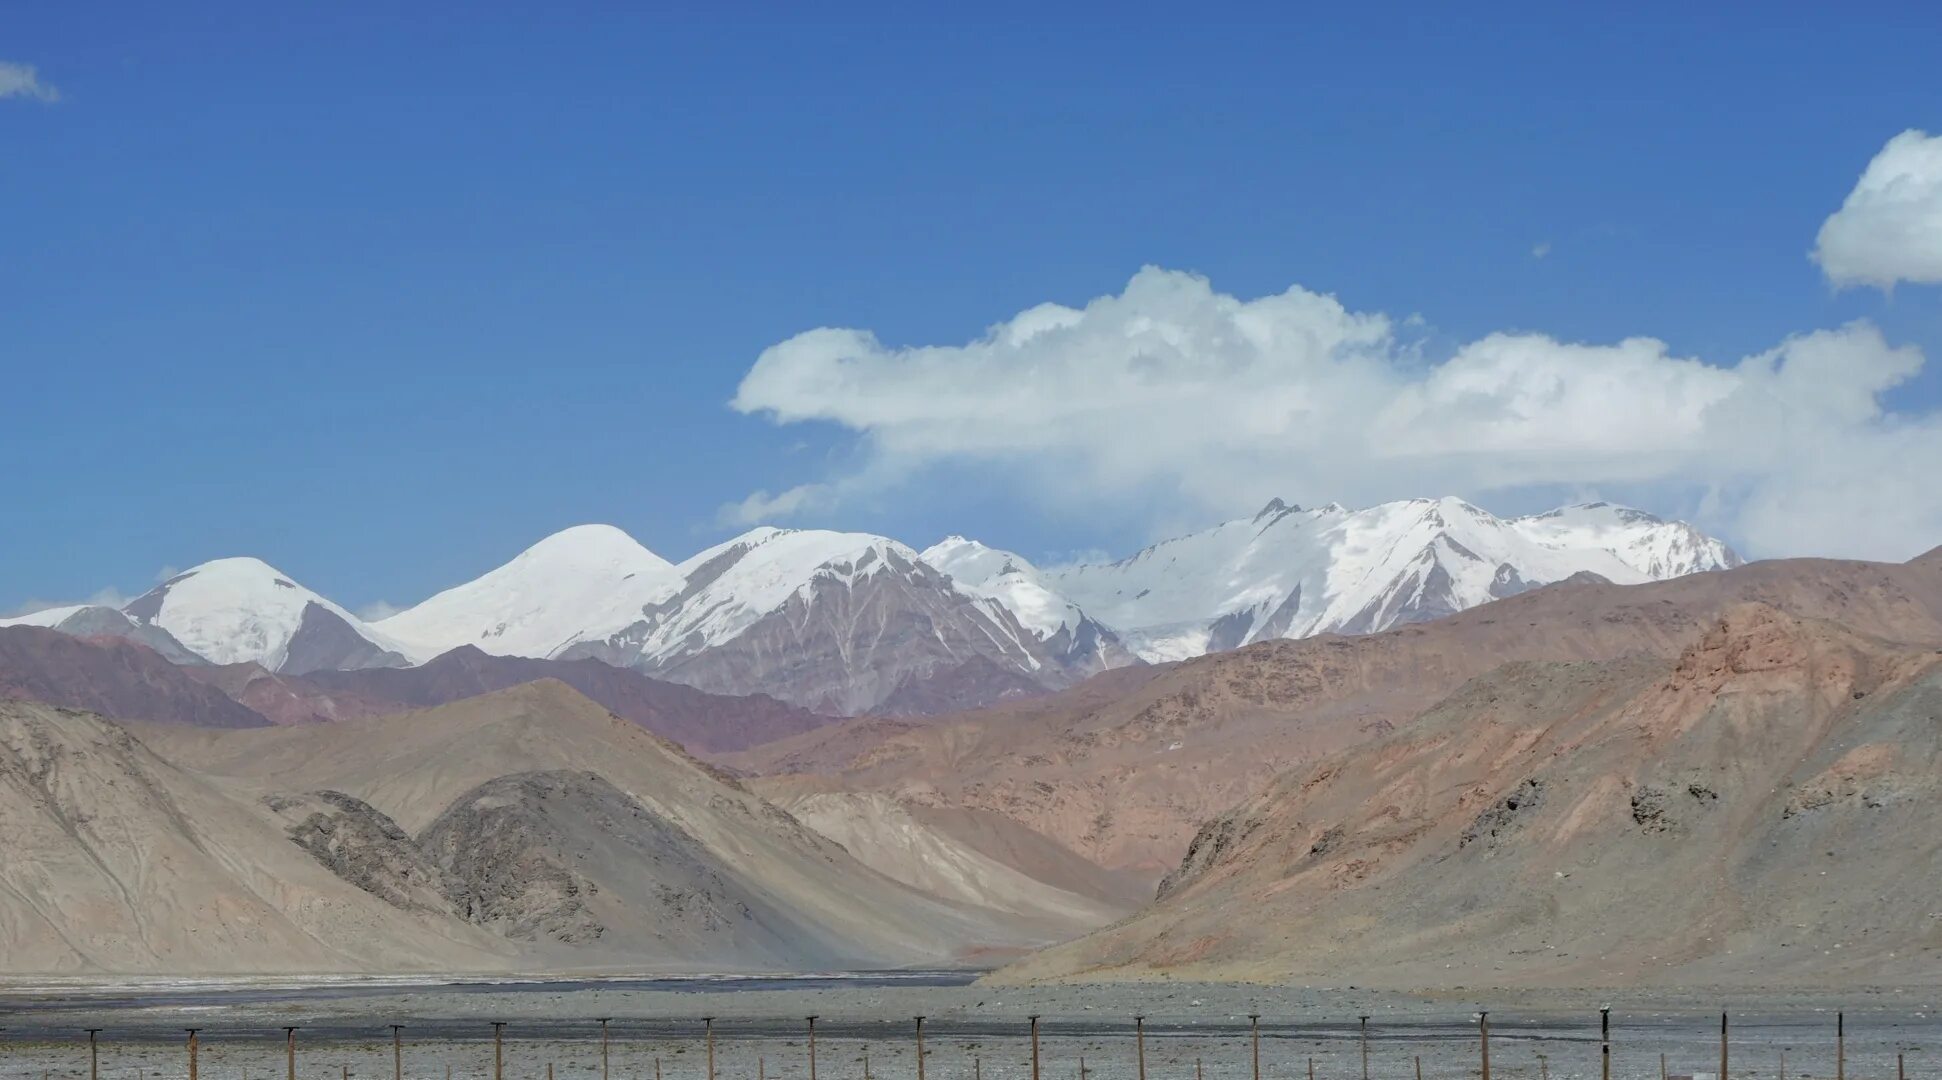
x,y
1254,1041
1483,1027
1365,1048
1722,1047
603,1046
1605,1043
1034,1048
94,1055
192,1052
498,1050
290,1053
1139,1044
812,1048
397,1053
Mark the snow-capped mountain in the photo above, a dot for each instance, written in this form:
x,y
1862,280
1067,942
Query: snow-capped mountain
x,y
1653,546
100,620
847,622
580,584
851,622
1008,579
1291,572
232,611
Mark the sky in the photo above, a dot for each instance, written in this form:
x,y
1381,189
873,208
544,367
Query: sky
x,y
383,297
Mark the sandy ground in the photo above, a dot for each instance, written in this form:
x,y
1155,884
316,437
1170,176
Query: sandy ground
x,y
971,1032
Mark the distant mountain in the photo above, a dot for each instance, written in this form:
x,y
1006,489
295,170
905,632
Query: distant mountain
x,y
233,611
116,677
100,621
700,721
1289,572
1074,638
847,623
584,583
837,622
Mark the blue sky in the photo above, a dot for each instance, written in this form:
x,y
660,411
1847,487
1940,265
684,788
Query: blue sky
x,y
383,298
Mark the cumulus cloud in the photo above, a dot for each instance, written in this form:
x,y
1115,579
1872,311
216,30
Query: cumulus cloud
x,y
1890,228
23,81
1176,398
104,598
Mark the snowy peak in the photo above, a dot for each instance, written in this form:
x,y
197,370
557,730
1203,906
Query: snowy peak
x,y
235,610
578,584
842,622
1653,546
990,573
759,571
1293,572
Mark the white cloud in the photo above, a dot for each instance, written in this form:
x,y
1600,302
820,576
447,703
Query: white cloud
x,y
1890,228
1173,398
1540,249
760,506
378,609
105,598
23,81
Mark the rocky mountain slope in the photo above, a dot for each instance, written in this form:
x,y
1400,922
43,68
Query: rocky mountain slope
x,y
114,676
971,857
100,621
1763,808
1125,773
527,829
121,861
837,622
594,807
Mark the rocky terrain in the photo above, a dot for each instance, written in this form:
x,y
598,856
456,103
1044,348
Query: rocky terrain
x,y
114,676
1125,769
1763,808
528,828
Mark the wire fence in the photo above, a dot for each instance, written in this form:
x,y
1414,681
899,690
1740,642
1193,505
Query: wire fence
x,y
1483,1046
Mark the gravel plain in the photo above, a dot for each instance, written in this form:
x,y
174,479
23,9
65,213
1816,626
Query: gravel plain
x,y
866,1028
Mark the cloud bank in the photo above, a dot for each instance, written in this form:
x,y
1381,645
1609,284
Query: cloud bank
x,y
1176,396
1178,401
23,81
1890,228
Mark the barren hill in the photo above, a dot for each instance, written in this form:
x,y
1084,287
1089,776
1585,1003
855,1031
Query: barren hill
x,y
1126,777
417,766
1765,808
528,829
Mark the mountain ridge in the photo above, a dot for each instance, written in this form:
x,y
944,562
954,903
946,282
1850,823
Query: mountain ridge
x,y
849,623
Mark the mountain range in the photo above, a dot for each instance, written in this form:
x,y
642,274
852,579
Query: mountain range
x,y
850,623
1422,805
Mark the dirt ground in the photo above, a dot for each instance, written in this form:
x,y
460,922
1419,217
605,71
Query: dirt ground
x,y
970,1033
